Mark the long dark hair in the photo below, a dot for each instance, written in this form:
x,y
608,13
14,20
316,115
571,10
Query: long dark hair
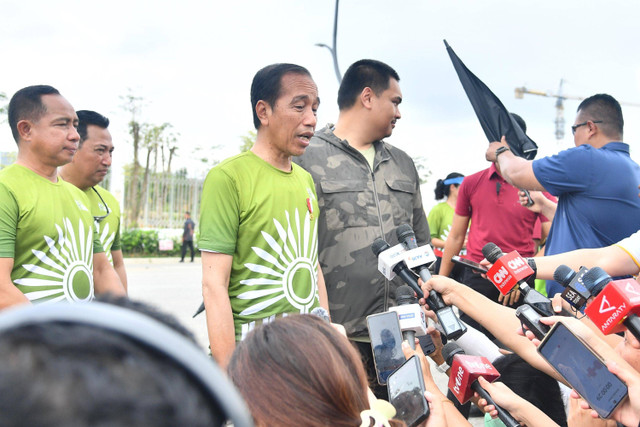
x,y
298,370
442,189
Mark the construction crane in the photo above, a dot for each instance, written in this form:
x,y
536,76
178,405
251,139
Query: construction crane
x,y
560,97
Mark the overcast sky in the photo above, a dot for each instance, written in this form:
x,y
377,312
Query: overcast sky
x,y
193,61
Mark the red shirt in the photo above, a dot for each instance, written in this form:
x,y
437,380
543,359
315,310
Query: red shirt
x,y
496,215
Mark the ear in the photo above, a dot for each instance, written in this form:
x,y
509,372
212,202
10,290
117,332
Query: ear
x,y
24,129
366,97
263,111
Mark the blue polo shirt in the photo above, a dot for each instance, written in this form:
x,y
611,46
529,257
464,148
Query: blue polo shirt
x,y
598,203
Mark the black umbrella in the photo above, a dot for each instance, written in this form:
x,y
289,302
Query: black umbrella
x,y
493,116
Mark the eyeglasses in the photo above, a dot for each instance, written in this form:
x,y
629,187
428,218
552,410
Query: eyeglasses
x,y
574,127
100,218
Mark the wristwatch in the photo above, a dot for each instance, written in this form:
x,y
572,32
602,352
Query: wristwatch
x,y
501,150
443,367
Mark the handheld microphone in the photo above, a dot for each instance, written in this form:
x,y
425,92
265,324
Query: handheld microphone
x,y
575,292
511,269
407,238
617,304
451,325
411,317
463,380
390,260
508,270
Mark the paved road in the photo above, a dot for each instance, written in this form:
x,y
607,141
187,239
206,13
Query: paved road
x,y
175,288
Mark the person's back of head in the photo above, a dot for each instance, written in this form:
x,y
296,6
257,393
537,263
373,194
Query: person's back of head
x,y
303,361
606,110
102,365
267,85
361,74
443,186
26,104
533,385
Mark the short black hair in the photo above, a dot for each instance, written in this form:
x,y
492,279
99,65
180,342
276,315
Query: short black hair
x,y
26,104
267,85
361,74
605,108
88,117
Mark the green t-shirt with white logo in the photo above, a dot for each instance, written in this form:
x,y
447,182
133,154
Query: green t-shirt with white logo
x,y
266,219
108,226
48,230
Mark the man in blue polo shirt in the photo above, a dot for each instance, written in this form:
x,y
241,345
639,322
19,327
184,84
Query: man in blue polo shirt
x,y
596,182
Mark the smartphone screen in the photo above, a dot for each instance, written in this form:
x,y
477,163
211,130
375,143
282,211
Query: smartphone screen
x,y
406,392
583,370
468,263
386,343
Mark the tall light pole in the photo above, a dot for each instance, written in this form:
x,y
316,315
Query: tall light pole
x,y
333,49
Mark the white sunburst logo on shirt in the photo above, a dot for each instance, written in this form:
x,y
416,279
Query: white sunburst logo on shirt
x,y
294,253
106,239
67,264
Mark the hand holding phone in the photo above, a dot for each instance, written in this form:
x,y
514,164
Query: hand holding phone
x,y
583,369
406,392
469,264
386,343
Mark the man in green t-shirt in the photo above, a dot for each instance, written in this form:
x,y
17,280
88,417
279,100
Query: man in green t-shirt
x,y
258,230
49,250
86,170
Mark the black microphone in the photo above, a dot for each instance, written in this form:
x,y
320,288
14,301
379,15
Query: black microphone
x,y
466,373
380,245
595,280
575,292
535,299
407,237
450,323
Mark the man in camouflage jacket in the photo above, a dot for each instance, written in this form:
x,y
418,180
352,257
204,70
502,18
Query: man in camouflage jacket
x,y
366,188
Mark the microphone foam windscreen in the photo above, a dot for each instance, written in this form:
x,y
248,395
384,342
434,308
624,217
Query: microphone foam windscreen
x,y
563,275
449,350
379,245
404,231
595,280
491,252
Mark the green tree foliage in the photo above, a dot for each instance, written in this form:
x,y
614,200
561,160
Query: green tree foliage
x,y
423,170
248,140
4,107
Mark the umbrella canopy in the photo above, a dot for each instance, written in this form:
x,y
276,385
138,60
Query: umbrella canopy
x,y
493,116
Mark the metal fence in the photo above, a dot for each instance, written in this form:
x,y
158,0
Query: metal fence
x,y
167,198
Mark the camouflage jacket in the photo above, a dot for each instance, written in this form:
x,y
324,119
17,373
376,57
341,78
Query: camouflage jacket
x,y
357,206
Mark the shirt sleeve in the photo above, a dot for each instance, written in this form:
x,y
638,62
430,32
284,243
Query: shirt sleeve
x,y
9,214
566,172
463,205
116,238
631,245
219,213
